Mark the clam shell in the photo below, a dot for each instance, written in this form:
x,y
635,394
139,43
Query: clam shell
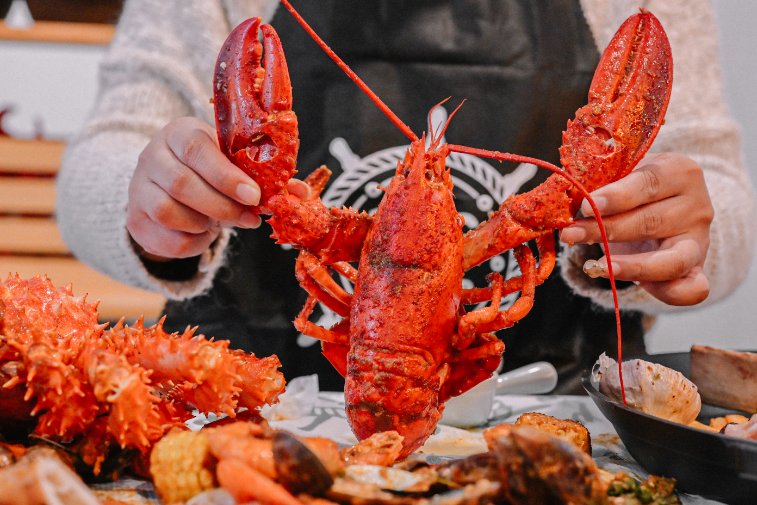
x,y
652,388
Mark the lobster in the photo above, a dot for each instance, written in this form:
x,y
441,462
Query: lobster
x,y
406,342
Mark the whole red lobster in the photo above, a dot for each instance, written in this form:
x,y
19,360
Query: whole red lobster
x,y
406,342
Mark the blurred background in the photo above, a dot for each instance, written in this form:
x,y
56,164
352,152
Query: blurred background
x,y
50,80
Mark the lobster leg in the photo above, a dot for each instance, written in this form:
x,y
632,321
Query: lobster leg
x,y
334,341
547,257
522,305
492,320
315,278
336,335
487,345
466,327
473,365
628,98
482,350
346,269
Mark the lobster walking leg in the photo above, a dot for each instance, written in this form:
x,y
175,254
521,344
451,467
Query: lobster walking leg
x,y
545,246
337,335
315,278
472,322
479,349
335,341
525,302
468,324
472,365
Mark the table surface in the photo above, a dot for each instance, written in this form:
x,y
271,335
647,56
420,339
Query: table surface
x,y
326,418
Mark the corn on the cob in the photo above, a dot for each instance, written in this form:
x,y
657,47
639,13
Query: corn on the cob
x,y
182,466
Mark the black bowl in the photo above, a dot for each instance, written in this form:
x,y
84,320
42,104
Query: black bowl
x,y
705,463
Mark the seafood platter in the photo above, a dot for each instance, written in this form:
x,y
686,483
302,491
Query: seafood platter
x,y
84,402
697,433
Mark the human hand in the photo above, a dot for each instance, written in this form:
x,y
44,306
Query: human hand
x,y
184,191
658,222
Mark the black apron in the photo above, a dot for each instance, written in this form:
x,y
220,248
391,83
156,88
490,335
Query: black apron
x,y
523,68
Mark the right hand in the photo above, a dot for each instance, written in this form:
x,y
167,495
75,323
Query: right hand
x,y
184,191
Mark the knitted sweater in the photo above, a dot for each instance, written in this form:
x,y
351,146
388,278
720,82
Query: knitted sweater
x,y
155,72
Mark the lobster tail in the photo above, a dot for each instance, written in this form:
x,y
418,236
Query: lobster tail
x,y
393,390
368,418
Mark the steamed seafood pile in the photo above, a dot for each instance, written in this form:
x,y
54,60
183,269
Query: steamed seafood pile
x,y
251,461
538,460
68,379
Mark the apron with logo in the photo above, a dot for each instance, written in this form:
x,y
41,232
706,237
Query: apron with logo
x,y
522,66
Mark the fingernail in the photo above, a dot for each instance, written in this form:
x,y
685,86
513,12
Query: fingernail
x,y
595,269
573,234
249,219
248,194
599,201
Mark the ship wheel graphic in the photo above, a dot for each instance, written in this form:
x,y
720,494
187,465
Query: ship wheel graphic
x,y
475,181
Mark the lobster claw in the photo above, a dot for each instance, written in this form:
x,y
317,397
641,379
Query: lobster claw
x,y
628,98
609,135
257,129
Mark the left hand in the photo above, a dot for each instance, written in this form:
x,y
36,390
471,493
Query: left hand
x,y
658,224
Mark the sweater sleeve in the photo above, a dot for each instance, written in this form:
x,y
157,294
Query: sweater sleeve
x,y
697,125
158,68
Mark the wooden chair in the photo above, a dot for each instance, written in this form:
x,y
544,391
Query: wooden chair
x,y
30,242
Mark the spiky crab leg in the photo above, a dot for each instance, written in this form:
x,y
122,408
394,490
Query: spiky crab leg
x,y
221,379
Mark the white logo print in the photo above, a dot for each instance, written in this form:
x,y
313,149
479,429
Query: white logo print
x,y
474,179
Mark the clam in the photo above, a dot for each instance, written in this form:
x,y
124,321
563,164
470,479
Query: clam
x,y
298,468
650,387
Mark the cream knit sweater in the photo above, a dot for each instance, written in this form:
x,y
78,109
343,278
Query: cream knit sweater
x,y
157,71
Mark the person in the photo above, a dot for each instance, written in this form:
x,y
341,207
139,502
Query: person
x,y
146,196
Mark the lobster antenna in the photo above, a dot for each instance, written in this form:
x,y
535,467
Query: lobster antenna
x,y
429,124
436,136
351,74
605,242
